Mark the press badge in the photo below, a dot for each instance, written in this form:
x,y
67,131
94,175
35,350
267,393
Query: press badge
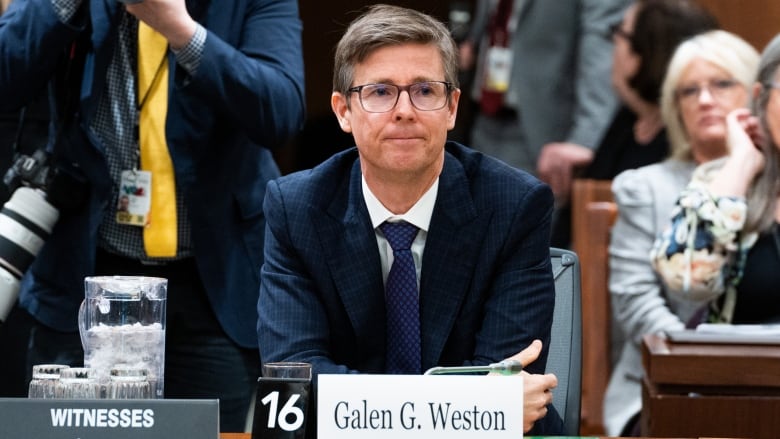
x,y
135,198
499,68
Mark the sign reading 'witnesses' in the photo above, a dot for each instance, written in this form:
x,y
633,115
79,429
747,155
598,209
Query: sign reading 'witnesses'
x,y
117,419
415,406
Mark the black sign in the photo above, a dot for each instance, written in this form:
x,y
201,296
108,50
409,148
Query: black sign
x,y
280,408
104,418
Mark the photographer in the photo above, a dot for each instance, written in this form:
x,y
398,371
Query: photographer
x,y
190,130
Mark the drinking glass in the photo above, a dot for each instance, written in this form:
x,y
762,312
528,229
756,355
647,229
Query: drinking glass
x,y
127,382
77,383
291,370
44,380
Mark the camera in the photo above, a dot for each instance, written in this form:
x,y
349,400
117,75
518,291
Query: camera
x,y
39,190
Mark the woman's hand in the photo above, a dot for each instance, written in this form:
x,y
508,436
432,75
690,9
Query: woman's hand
x,y
744,139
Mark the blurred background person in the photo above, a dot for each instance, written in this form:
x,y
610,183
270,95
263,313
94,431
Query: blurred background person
x,y
542,77
21,132
723,246
225,87
709,75
643,44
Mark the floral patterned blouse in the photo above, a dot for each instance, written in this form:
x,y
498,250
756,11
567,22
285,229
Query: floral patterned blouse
x,y
702,254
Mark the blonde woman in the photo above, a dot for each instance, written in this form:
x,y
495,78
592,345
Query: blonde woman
x,y
723,246
708,76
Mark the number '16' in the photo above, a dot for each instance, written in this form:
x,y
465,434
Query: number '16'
x,y
288,409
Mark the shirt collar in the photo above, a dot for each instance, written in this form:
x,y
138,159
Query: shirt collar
x,y
419,215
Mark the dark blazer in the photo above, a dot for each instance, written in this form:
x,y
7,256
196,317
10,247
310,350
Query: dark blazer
x,y
245,97
486,288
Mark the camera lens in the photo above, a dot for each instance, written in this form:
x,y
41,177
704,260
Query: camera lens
x,y
26,221
9,291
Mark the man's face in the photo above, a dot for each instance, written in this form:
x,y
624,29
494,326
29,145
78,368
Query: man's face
x,y
404,143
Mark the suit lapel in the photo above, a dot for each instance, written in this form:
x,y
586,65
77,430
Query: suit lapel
x,y
347,237
449,260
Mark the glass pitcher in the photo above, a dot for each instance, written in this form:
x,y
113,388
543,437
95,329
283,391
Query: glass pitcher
x,y
122,321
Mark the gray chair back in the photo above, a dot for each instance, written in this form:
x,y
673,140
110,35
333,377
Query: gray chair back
x,y
565,354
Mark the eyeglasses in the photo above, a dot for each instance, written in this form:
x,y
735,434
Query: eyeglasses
x,y
771,85
718,89
616,30
425,96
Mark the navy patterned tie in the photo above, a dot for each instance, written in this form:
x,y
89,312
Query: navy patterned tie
x,y
403,309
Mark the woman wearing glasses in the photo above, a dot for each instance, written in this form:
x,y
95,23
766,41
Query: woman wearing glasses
x,y
723,246
708,76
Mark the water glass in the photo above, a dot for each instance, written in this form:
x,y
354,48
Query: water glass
x,y
128,382
44,380
287,370
77,383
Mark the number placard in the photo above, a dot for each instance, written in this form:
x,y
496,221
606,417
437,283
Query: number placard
x,y
280,408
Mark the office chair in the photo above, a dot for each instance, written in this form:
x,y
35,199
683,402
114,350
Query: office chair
x,y
565,355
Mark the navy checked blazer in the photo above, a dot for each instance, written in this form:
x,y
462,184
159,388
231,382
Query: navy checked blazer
x,y
486,288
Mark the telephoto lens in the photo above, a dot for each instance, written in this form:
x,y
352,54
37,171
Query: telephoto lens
x,y
26,221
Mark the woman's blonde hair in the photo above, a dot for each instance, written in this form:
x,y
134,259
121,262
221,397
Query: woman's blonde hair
x,y
723,49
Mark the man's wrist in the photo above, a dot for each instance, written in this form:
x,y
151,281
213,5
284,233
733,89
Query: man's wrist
x,y
190,54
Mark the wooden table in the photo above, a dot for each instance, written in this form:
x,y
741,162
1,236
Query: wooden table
x,y
718,390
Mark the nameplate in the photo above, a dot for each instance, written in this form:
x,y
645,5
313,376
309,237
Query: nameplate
x,y
418,406
104,418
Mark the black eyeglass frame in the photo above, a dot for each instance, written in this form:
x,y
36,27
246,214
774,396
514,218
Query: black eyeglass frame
x,y
617,30
359,88
716,88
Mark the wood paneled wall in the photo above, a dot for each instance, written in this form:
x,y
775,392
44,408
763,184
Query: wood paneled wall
x,y
757,21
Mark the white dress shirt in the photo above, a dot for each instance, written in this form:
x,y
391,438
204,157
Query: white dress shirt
x,y
419,215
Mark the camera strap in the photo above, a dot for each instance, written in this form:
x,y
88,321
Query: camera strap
x,y
71,83
19,130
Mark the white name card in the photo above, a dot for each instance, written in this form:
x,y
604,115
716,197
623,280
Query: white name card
x,y
419,406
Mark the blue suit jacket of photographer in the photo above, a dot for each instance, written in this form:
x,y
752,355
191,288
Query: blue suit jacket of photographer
x,y
221,123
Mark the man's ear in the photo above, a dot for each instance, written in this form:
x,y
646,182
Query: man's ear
x,y
339,104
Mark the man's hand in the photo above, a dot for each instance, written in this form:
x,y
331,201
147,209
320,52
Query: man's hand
x,y
467,55
556,165
537,389
168,17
